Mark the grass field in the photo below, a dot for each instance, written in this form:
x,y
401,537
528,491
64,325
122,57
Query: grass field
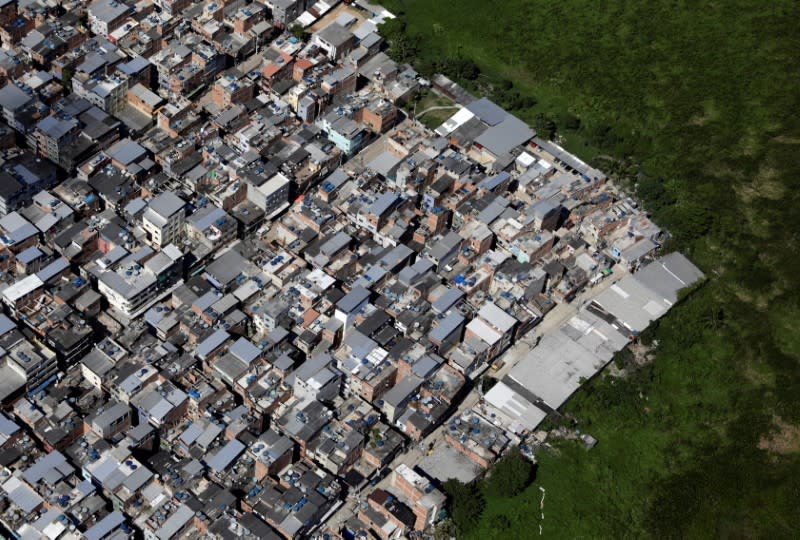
x,y
694,106
425,101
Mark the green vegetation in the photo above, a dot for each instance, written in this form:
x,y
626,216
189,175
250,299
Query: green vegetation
x,y
66,78
693,106
465,504
422,102
298,31
487,383
510,475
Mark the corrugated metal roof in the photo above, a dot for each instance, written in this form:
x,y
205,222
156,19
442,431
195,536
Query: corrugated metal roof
x,y
167,204
349,302
104,526
175,523
225,455
498,318
489,112
127,151
384,203
447,300
21,495
447,326
245,350
484,331
208,345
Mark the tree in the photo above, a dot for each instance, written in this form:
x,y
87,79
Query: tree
x,y
500,522
603,137
545,126
66,78
425,67
511,474
569,121
445,530
403,47
465,504
623,358
505,95
487,383
653,193
298,31
391,28
715,318
458,67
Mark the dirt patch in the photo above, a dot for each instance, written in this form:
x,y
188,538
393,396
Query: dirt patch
x,y
758,377
784,139
766,184
709,114
784,439
642,354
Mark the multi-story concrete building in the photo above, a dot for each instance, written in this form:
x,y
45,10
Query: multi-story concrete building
x,y
272,196
54,135
145,101
230,89
335,40
211,226
36,364
164,218
131,282
105,16
108,93
14,101
284,12
172,7
349,306
343,132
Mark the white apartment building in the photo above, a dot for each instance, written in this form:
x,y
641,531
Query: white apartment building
x,y
132,282
164,219
272,196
